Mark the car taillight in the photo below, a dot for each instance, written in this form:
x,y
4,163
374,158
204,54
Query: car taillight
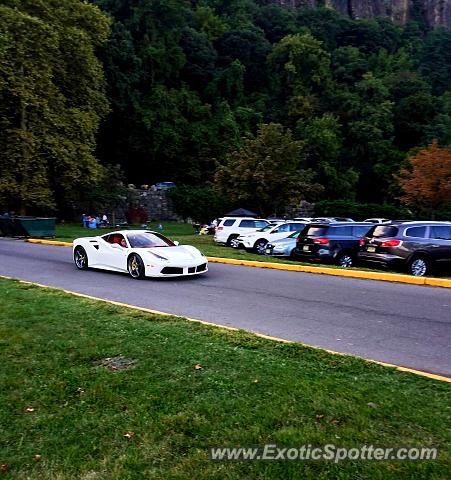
x,y
391,243
321,241
219,228
362,242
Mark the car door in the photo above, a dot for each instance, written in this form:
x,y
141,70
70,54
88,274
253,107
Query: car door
x,y
440,246
114,257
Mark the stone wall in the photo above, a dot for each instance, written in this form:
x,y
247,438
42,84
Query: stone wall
x,y
157,204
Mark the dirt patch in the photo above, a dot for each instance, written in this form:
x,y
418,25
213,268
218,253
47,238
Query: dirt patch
x,y
118,363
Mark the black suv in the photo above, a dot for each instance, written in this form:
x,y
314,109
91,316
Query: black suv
x,y
336,242
415,245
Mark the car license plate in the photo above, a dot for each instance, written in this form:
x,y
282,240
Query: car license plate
x,y
371,249
306,248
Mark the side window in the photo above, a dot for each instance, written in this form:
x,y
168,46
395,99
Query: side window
x,y
416,232
361,231
247,224
259,224
284,228
441,232
107,238
341,231
296,227
228,223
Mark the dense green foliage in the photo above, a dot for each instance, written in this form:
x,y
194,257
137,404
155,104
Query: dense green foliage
x,y
188,81
51,101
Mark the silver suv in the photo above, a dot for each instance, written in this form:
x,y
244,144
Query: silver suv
x,y
230,228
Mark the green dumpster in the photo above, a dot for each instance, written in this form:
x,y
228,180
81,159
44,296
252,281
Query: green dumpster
x,y
36,226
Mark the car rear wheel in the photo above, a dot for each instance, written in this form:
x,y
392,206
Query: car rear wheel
x,y
233,241
135,266
260,246
80,258
345,260
419,266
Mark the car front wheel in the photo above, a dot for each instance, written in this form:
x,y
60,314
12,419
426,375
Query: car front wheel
x,y
419,266
260,247
135,266
80,258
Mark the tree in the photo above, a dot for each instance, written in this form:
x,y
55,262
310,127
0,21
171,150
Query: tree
x,y
200,203
426,181
51,101
267,174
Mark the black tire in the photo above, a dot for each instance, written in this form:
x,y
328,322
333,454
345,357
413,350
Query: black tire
x,y
232,241
260,246
293,255
419,266
135,266
345,260
80,258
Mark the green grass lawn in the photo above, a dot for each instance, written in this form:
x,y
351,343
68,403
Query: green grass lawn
x,y
250,391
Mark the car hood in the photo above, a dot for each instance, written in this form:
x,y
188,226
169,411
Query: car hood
x,y
284,241
179,253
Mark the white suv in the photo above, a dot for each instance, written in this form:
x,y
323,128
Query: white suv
x,y
257,240
230,228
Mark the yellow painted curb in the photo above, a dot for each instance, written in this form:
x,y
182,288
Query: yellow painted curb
x,y
233,329
388,277
383,276
49,242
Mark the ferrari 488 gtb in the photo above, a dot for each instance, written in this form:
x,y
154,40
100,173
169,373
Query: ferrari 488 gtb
x,y
140,253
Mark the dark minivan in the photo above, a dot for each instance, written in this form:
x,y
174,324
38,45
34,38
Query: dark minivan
x,y
331,242
419,246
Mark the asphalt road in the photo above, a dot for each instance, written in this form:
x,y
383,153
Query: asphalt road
x,y
407,325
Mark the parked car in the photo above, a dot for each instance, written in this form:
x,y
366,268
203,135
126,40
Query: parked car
x,y
417,246
377,220
230,228
257,241
164,185
283,247
337,242
331,219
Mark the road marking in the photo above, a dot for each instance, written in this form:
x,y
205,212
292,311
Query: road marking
x,y
382,276
233,329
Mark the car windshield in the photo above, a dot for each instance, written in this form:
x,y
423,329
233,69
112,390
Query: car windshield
x,y
265,229
384,231
294,235
149,240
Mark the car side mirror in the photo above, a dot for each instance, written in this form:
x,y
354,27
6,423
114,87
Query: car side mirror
x,y
176,243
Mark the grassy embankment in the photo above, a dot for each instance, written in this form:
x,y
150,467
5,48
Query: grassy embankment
x,y
64,412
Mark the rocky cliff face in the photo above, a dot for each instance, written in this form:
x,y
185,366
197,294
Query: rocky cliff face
x,y
434,12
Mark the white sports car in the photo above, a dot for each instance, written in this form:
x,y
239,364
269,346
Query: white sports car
x,y
141,253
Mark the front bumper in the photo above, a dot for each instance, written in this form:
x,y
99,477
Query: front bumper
x,y
197,268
